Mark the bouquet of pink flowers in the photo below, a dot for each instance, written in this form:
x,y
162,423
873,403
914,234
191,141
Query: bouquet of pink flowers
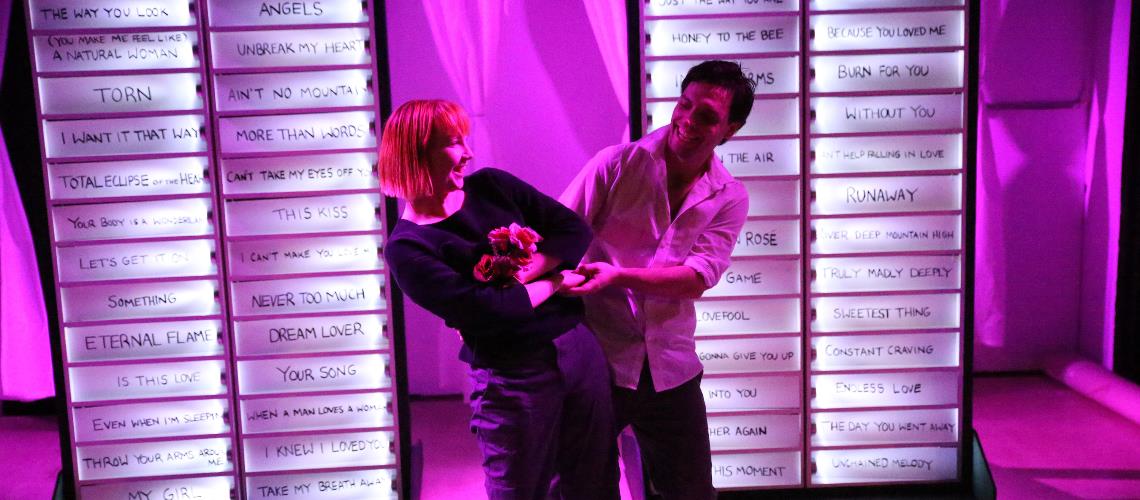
x,y
512,249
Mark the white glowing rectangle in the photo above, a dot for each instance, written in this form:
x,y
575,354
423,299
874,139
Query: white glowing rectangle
x,y
753,432
896,30
162,259
880,72
752,393
306,413
860,195
887,234
124,136
870,352
116,51
324,214
152,380
879,274
120,93
191,456
866,390
884,427
163,176
749,355
768,237
768,117
290,375
151,420
193,487
307,335
758,277
738,35
749,316
360,449
141,300
142,219
701,7
756,469
839,155
886,312
878,4
885,465
750,158
284,256
318,89
71,14
773,197
772,75
258,13
839,115
299,173
176,339
298,47
363,292
377,484
309,132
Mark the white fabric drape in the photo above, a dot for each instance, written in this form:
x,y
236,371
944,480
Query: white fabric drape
x,y
607,20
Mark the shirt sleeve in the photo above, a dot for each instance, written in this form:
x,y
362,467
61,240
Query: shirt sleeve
x,y
586,194
564,234
709,256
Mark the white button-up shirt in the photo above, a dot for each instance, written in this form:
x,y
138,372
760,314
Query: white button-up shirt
x,y
622,194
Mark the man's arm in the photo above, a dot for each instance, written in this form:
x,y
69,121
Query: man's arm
x,y
680,282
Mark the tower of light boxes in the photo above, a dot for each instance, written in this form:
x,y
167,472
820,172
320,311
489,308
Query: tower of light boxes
x,y
833,344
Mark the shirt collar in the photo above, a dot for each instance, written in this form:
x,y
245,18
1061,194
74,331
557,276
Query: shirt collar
x,y
714,179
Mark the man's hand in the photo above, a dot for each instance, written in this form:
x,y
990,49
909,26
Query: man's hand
x,y
598,275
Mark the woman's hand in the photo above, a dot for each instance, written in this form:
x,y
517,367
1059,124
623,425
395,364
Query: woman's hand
x,y
570,279
598,275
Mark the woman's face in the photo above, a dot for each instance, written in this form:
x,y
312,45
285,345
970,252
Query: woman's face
x,y
448,156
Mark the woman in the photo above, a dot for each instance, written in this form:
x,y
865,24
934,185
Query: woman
x,y
462,249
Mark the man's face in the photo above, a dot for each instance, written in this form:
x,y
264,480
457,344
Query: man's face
x,y
700,122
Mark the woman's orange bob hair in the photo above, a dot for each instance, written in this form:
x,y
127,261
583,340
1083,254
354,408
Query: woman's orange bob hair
x,y
404,144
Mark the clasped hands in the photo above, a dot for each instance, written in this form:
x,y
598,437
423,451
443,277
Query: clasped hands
x,y
587,279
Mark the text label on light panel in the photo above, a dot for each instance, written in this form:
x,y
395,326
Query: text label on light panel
x,y
162,259
841,155
171,339
885,427
870,352
760,157
835,196
116,51
309,132
184,217
885,465
748,432
886,234
692,37
886,312
756,469
772,75
752,393
72,14
362,292
120,93
182,378
865,390
140,300
306,413
371,484
354,212
150,420
897,30
283,256
198,456
688,8
311,48
768,237
879,72
730,317
194,487
842,115
246,13
289,375
310,335
157,177
324,450
327,172
749,355
758,277
876,274
318,89
123,136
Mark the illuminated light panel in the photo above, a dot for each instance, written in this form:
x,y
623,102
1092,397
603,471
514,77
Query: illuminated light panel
x,y
886,312
691,37
756,469
306,413
192,456
860,73
768,117
887,234
70,14
309,132
885,427
124,136
359,449
839,155
773,197
170,339
298,173
181,378
349,485
362,371
352,212
839,115
162,259
308,295
691,7
744,158
896,30
886,194
773,75
758,277
878,4
866,390
885,465
739,432
725,317
165,176
870,352
116,52
197,487
749,355
752,393
150,420
120,93
256,13
300,47
318,89
139,300
139,219
305,335
283,256
768,237
877,274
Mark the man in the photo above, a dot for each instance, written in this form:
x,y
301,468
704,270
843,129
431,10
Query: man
x,y
666,215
